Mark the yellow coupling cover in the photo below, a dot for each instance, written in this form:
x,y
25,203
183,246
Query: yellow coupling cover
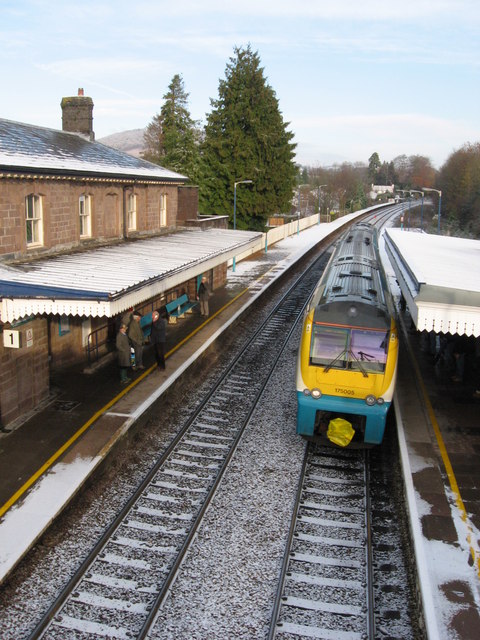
x,y
340,432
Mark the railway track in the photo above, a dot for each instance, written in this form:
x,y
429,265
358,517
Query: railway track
x,y
326,588
347,572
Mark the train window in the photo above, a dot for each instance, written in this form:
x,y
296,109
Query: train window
x,y
329,346
368,350
356,349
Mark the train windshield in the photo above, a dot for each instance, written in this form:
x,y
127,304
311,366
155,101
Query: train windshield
x,y
362,350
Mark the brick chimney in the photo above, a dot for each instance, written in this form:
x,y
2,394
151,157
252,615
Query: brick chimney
x,y
77,115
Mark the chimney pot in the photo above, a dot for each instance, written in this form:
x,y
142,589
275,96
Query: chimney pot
x,y
80,92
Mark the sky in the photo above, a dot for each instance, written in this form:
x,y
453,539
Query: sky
x,y
352,77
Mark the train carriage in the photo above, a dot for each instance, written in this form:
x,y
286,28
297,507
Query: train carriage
x,y
347,360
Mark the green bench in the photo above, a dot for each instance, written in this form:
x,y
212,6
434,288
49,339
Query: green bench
x,y
146,324
179,307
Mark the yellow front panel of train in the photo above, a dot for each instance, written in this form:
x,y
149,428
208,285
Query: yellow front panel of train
x,y
344,381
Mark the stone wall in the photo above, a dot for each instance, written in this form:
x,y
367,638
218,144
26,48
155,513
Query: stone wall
x,y
60,214
24,372
187,204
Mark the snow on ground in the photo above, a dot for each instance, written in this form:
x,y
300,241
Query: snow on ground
x,y
39,506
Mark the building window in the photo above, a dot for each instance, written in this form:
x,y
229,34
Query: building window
x,y
33,220
85,213
63,325
163,210
132,212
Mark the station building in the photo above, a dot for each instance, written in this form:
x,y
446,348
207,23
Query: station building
x,y
88,232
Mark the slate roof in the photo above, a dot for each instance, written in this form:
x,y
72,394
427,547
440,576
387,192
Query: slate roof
x,y
28,148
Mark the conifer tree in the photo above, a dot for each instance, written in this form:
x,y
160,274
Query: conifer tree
x,y
172,138
246,139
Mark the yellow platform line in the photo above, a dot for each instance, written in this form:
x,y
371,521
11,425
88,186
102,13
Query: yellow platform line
x,y
474,552
24,488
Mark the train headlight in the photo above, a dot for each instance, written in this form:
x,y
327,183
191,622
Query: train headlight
x,y
316,393
380,400
370,400
306,392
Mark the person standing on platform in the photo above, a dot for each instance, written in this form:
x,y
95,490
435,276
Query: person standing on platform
x,y
127,317
203,295
158,337
135,335
123,348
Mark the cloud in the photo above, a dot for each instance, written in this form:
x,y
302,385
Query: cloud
x,y
386,123
91,66
367,10
355,137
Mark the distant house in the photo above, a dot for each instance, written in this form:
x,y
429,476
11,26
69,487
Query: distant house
x,y
377,189
86,233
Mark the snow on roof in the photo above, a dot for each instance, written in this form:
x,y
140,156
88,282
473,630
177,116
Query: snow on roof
x,y
440,280
32,148
442,261
108,280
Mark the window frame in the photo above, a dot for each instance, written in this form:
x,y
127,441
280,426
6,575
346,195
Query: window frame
x,y
34,205
63,325
85,215
163,210
132,212
341,348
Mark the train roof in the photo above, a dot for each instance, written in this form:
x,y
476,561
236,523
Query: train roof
x,y
354,273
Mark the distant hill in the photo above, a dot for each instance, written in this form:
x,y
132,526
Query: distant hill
x,y
132,142
128,141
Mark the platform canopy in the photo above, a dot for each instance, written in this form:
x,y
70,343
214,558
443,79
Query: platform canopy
x,y
106,281
439,277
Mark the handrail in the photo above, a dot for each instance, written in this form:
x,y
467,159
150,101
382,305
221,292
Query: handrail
x,y
94,344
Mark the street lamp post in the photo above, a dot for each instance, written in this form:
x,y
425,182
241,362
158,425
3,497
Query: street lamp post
x,y
403,208
439,204
235,208
319,187
299,212
421,209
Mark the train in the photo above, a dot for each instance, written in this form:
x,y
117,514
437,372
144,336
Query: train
x,y
348,353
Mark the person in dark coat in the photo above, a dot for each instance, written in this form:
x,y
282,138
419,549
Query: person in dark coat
x,y
158,337
135,335
203,296
123,348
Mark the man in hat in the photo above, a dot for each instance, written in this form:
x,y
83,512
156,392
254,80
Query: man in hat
x,y
135,335
123,349
203,295
158,337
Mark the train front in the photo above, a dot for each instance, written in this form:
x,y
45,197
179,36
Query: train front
x,y
346,368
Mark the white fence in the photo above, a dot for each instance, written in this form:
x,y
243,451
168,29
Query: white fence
x,y
285,230
278,233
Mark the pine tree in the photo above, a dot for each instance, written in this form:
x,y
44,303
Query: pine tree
x,y
246,139
172,138
374,165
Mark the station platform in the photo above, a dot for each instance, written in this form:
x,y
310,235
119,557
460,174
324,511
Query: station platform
x,y
45,461
439,438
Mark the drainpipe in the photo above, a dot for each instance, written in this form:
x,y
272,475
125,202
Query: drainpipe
x,y
125,234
